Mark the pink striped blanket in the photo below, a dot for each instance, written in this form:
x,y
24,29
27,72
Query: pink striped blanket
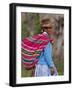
x,y
31,48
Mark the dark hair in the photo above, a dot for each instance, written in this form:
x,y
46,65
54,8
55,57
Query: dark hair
x,y
45,21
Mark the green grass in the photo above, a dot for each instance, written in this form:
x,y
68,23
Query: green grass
x,y
26,73
60,66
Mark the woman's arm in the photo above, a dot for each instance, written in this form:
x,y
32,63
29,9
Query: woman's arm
x,y
48,59
48,55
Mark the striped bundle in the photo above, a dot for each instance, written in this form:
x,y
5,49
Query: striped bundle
x,y
31,48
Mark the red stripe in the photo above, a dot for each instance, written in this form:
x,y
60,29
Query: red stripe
x,y
34,44
30,43
35,47
29,66
27,47
40,36
28,57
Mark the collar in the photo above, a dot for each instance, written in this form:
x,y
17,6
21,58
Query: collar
x,y
45,33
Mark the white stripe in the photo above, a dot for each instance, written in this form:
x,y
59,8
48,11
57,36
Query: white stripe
x,y
30,50
28,59
27,49
32,39
29,46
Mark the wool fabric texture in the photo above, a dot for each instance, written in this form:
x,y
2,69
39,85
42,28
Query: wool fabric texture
x,y
31,47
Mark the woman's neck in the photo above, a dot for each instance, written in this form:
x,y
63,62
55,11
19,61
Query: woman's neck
x,y
47,34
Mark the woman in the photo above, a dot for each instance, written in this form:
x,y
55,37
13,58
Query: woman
x,y
37,52
45,65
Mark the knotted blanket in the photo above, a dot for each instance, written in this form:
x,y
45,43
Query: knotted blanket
x,y
31,48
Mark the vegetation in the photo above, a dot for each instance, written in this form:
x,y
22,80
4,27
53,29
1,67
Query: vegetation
x,y
30,23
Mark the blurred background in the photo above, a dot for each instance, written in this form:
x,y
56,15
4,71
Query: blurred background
x,y
31,25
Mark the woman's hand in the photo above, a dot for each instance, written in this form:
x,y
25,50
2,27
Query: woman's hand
x,y
52,69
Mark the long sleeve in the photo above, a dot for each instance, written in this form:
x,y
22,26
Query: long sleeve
x,y
48,55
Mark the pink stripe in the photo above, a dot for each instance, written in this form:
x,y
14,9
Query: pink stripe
x,y
30,50
27,63
28,57
27,47
34,44
34,55
41,36
35,47
28,66
30,43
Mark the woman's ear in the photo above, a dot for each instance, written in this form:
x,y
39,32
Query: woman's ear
x,y
42,31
